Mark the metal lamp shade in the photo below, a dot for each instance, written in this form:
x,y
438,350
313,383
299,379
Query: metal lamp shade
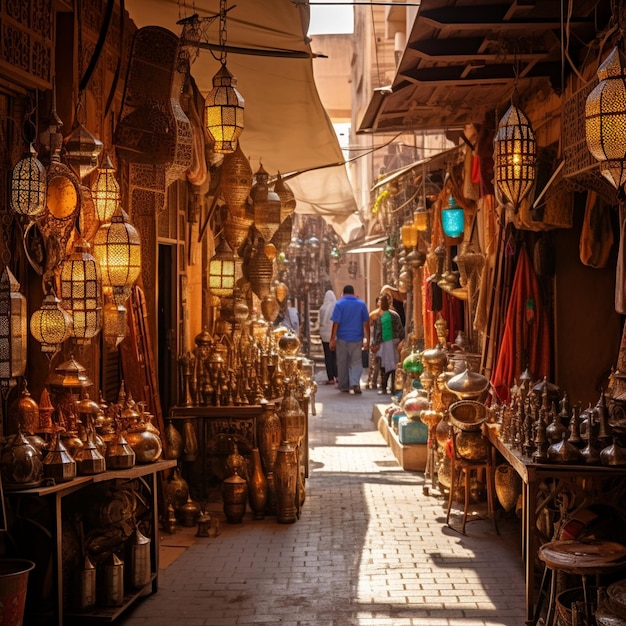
x,y
106,192
515,156
28,186
605,119
267,206
287,199
222,270
82,150
114,325
51,325
453,219
13,332
223,110
118,249
81,292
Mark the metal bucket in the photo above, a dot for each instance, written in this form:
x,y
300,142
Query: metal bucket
x,y
13,585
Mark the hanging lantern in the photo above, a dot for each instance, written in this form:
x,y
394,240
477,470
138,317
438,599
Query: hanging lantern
x,y
51,325
420,219
453,219
222,270
515,156
605,119
267,206
287,199
118,249
29,186
223,110
106,192
81,291
409,235
114,324
13,333
82,150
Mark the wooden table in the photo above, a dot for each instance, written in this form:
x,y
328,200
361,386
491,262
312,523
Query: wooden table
x,y
543,486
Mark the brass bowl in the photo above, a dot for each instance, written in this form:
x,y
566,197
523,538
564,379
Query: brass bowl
x,y
467,415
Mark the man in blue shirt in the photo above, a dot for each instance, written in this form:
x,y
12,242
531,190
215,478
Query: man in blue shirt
x,y
351,327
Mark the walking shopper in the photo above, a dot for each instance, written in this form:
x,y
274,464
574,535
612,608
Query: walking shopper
x,y
326,329
388,334
349,337
397,300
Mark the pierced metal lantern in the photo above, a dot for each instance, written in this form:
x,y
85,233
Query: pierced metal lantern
x,y
222,270
13,333
267,206
81,291
453,219
118,249
287,199
223,110
605,119
114,325
51,325
515,156
82,150
29,186
106,192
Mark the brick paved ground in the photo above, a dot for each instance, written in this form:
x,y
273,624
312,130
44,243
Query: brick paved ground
x,y
370,549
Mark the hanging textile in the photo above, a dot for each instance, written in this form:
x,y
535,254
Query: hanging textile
x,y
526,337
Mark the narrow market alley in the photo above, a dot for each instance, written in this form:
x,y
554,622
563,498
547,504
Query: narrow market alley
x,y
370,548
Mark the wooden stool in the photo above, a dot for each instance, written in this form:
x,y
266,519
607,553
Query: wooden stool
x,y
582,559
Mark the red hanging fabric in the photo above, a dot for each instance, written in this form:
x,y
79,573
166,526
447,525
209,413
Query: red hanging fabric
x,y
526,338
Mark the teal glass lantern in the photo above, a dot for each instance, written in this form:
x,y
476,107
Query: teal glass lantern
x,y
453,219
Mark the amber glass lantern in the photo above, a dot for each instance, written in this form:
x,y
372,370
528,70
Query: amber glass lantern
x,y
223,110
118,249
605,119
515,156
28,186
420,219
222,270
13,333
106,192
114,324
409,235
81,291
51,325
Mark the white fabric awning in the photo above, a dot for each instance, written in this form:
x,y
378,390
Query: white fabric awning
x,y
286,126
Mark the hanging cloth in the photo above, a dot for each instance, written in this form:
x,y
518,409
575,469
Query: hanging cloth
x,y
526,338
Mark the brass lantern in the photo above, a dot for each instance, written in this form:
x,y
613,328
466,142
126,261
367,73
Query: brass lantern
x,y
515,156
106,192
81,291
114,325
267,206
82,150
223,110
118,249
605,119
28,186
222,270
51,325
287,199
13,333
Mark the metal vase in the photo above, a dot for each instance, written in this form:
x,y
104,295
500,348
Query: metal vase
x,y
140,574
286,479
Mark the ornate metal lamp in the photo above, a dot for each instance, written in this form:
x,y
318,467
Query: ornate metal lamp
x,y
82,150
28,186
106,191
605,119
223,107
114,324
222,270
51,325
515,156
267,205
118,249
453,219
13,333
81,291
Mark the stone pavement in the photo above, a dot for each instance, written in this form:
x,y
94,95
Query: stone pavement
x,y
370,549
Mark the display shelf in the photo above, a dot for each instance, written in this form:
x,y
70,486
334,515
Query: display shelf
x,y
49,501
